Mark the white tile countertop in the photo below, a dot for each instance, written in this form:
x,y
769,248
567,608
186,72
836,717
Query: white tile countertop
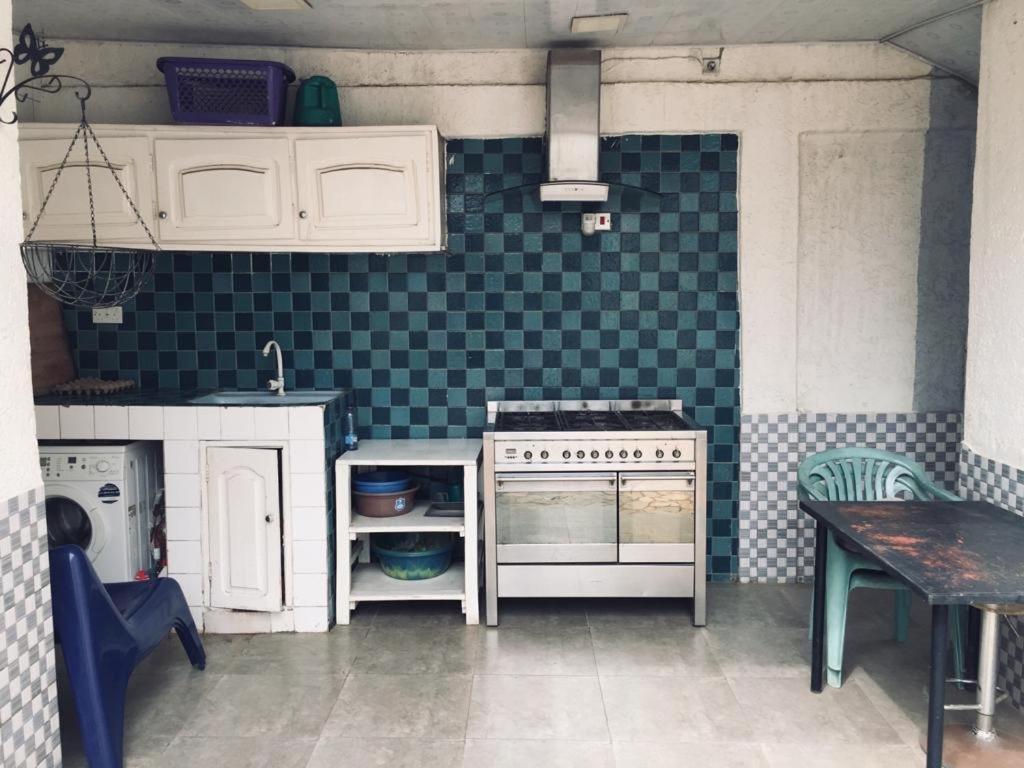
x,y
455,452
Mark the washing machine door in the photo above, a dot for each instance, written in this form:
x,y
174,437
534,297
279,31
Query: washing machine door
x,y
71,518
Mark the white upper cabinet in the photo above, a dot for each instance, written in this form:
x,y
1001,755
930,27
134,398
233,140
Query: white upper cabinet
x,y
225,188
67,212
211,190
370,189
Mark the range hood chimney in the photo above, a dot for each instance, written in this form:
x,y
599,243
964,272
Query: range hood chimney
x,y
573,127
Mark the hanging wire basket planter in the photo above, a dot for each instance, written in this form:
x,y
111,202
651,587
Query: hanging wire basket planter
x,y
82,275
88,275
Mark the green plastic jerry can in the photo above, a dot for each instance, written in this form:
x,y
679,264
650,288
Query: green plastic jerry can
x,y
316,102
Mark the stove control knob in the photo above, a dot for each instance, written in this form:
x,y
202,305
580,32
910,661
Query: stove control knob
x,y
581,454
659,453
623,453
594,454
637,453
543,454
528,455
676,453
566,454
609,454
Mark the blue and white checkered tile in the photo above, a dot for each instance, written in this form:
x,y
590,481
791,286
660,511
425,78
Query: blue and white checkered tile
x,y
770,525
982,479
29,725
776,539
30,738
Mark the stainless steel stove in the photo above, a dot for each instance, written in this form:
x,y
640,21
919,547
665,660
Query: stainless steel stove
x,y
598,498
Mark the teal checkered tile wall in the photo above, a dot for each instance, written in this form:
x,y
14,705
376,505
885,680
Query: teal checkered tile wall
x,y
522,307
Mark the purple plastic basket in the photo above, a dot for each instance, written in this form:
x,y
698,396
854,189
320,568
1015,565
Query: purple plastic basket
x,y
226,91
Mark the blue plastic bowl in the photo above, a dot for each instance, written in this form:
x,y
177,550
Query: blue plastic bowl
x,y
410,566
384,481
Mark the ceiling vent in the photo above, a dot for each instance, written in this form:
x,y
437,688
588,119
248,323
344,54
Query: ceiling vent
x,y
598,25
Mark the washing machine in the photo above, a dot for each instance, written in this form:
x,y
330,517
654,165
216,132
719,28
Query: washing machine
x,y
101,496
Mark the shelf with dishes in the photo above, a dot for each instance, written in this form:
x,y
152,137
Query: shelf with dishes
x,y
411,545
419,518
371,583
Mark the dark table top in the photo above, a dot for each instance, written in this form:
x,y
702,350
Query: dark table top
x,y
949,552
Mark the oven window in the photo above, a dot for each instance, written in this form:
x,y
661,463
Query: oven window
x,y
656,516
556,518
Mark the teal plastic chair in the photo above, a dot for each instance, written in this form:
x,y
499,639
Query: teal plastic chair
x,y
867,474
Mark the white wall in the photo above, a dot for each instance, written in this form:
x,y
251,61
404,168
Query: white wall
x,y
871,100
994,409
19,459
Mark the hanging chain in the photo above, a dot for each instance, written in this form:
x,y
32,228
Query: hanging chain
x,y
117,179
56,177
88,178
86,132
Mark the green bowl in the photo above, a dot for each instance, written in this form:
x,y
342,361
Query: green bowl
x,y
410,565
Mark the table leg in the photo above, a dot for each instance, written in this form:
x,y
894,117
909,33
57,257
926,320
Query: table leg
x,y
818,625
937,685
973,643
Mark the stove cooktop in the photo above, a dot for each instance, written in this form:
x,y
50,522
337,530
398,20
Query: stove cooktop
x,y
589,421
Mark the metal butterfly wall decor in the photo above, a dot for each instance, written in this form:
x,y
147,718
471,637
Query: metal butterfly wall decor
x,y
33,51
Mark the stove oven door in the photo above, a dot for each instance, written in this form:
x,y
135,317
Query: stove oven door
x,y
556,517
656,517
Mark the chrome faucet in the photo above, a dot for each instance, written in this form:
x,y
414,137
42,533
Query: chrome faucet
x,y
275,385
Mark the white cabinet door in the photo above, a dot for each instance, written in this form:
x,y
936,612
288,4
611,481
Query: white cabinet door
x,y
372,190
67,212
244,506
228,189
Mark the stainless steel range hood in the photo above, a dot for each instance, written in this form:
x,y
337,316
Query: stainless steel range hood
x,y
573,127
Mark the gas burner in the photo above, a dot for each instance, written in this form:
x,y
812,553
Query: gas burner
x,y
651,420
591,421
528,421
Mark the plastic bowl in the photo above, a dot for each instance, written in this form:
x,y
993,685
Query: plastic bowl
x,y
385,481
413,565
385,504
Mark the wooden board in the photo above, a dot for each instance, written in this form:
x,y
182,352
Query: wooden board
x,y
51,354
949,552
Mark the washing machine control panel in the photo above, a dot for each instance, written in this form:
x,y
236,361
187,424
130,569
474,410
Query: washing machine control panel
x,y
78,466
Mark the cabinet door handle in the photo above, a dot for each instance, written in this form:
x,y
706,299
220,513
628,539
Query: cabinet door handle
x,y
162,214
269,519
303,214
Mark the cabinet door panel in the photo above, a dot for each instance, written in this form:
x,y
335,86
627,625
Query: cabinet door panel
x,y
224,189
370,190
243,497
67,212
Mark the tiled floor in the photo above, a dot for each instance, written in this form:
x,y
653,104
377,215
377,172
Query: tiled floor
x,y
560,684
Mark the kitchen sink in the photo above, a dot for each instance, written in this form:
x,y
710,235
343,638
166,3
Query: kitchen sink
x,y
258,397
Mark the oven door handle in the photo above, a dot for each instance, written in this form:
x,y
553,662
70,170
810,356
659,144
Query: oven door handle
x,y
562,481
658,481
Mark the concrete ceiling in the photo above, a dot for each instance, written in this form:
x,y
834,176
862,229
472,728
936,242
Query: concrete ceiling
x,y
467,24
953,42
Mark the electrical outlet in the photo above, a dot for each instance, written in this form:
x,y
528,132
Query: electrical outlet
x,y
602,222
107,315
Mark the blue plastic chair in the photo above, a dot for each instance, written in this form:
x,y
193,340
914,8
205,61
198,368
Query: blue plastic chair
x,y
105,630
867,474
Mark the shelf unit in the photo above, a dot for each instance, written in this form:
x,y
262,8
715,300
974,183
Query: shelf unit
x,y
370,583
364,581
414,520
